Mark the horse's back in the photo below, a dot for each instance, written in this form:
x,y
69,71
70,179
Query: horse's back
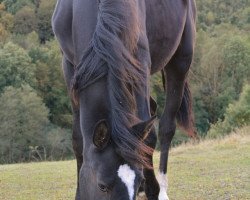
x,y
74,23
166,20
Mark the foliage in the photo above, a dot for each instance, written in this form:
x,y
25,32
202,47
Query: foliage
x,y
13,6
220,68
23,118
58,144
26,133
50,83
3,33
237,115
44,14
215,12
27,41
157,92
7,20
16,67
25,21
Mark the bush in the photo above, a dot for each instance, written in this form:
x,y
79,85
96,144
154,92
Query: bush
x,y
59,144
25,131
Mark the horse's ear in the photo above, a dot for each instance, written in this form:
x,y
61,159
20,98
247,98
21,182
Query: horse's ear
x,y
153,106
142,129
101,136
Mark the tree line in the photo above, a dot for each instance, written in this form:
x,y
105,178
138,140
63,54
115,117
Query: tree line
x,y
35,113
35,116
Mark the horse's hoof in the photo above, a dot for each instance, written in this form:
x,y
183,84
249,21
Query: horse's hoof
x,y
163,182
141,196
163,195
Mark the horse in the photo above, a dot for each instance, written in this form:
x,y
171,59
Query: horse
x,y
110,49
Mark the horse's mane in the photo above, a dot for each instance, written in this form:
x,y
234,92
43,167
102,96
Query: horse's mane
x,y
111,52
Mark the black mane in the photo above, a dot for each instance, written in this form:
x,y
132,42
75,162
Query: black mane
x,y
111,53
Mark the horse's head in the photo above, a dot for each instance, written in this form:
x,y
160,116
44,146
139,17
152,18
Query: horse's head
x,y
108,82
111,164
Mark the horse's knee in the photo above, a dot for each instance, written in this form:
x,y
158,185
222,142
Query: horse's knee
x,y
166,131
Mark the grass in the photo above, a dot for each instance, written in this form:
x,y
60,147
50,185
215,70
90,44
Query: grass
x,y
213,169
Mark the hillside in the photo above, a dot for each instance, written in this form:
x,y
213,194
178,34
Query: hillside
x,y
213,169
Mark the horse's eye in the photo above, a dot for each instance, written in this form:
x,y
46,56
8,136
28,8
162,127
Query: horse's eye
x,y
101,135
103,188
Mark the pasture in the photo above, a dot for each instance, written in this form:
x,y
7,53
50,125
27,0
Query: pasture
x,y
212,169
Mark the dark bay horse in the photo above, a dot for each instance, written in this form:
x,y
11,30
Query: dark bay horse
x,y
110,49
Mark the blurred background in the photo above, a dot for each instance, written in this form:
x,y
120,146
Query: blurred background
x,y
35,113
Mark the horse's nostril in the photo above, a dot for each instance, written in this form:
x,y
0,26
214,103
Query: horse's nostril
x,y
103,188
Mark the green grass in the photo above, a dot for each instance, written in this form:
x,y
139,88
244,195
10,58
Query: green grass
x,y
216,170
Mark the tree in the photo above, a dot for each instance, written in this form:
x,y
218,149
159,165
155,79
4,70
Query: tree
x,y
13,6
220,68
59,144
44,14
25,21
217,12
3,33
27,41
237,115
23,119
157,92
16,67
50,83
7,20
236,56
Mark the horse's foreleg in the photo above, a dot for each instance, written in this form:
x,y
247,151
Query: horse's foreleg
x,y
68,71
151,186
167,125
175,75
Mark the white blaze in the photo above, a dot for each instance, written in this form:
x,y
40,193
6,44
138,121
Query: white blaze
x,y
127,175
163,182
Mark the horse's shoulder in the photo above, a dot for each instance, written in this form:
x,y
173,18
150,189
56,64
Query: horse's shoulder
x,y
62,15
61,24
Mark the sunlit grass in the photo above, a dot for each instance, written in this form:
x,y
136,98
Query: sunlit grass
x,y
218,169
35,181
214,169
